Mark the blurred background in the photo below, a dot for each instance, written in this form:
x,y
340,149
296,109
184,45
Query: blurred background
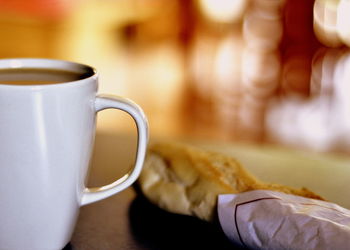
x,y
260,71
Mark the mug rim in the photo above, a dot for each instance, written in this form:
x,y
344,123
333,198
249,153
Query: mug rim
x,y
45,63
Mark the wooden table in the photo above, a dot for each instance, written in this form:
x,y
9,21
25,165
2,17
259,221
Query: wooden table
x,y
127,220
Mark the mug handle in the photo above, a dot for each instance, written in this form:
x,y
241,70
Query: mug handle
x,y
102,102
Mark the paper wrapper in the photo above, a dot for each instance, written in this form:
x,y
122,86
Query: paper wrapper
x,y
271,220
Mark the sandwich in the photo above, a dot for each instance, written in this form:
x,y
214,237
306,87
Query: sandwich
x,y
185,179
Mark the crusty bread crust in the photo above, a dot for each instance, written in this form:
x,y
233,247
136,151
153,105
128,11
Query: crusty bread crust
x,y
187,180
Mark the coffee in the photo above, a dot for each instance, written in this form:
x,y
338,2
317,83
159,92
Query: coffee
x,y
39,76
46,141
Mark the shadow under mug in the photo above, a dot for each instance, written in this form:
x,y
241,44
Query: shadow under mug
x,y
47,134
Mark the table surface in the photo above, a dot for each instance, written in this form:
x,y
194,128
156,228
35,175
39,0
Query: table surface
x,y
127,220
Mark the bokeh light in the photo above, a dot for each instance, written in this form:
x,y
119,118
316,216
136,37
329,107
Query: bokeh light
x,y
223,10
263,71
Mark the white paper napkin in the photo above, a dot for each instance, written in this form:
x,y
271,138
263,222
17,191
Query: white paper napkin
x,y
272,220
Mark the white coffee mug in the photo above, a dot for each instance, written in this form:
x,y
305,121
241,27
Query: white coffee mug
x,y
46,139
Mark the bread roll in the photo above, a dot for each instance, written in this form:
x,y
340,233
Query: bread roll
x,y
187,180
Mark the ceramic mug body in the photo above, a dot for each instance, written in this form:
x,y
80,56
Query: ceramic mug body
x,y
47,134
